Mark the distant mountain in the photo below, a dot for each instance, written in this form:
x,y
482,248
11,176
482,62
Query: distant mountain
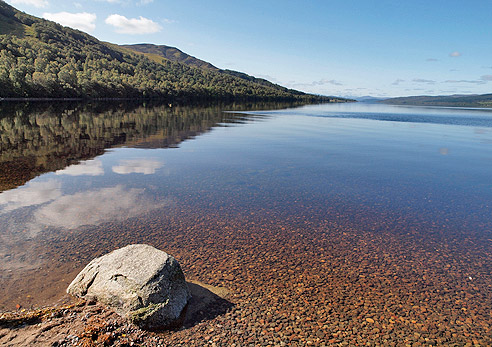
x,y
368,99
42,59
484,100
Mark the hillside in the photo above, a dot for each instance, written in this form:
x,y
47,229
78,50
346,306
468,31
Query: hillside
x,y
158,52
155,52
484,100
39,58
170,53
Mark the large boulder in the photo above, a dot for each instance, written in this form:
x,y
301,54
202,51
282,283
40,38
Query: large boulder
x,y
140,282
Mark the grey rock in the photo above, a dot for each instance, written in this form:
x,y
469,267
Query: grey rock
x,y
140,282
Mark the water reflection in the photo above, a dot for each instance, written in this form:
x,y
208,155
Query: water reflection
x,y
75,190
308,187
39,138
474,117
95,207
85,168
34,193
140,166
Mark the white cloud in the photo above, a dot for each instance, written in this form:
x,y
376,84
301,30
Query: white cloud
x,y
322,82
125,25
455,54
83,21
35,3
145,2
87,168
34,193
143,166
95,207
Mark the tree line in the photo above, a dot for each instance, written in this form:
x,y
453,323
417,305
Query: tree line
x,y
42,59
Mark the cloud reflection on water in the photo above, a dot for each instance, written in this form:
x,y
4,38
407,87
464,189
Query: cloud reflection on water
x,y
85,168
142,166
96,207
33,193
21,229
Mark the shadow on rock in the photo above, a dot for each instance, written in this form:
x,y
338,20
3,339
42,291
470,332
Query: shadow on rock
x,y
207,302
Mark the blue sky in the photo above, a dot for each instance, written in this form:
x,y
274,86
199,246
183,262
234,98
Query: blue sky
x,y
345,48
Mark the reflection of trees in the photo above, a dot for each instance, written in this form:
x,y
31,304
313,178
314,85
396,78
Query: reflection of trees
x,y
39,138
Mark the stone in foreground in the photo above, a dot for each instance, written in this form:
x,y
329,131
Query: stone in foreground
x,y
140,282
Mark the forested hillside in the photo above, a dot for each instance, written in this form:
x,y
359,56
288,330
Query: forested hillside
x,y
39,58
484,100
155,52
171,53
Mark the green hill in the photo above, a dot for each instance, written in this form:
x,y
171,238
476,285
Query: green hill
x,y
154,52
42,59
484,100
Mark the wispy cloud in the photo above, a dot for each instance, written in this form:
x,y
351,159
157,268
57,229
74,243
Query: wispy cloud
x,y
482,81
83,21
325,81
486,78
455,54
397,82
431,59
133,26
169,21
422,80
321,82
35,3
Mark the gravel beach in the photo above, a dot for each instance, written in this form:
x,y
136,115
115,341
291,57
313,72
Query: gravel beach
x,y
294,281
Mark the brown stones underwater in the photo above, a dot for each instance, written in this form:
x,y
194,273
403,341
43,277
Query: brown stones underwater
x,y
301,281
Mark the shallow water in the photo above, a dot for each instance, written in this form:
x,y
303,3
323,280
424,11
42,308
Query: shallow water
x,y
403,188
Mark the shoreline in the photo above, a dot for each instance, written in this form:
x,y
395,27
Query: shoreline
x,y
73,321
193,99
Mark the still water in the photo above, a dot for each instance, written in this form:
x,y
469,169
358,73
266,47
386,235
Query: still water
x,y
80,181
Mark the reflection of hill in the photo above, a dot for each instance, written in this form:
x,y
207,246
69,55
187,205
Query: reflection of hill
x,y
42,138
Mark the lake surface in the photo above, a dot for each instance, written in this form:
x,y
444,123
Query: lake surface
x,y
360,200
